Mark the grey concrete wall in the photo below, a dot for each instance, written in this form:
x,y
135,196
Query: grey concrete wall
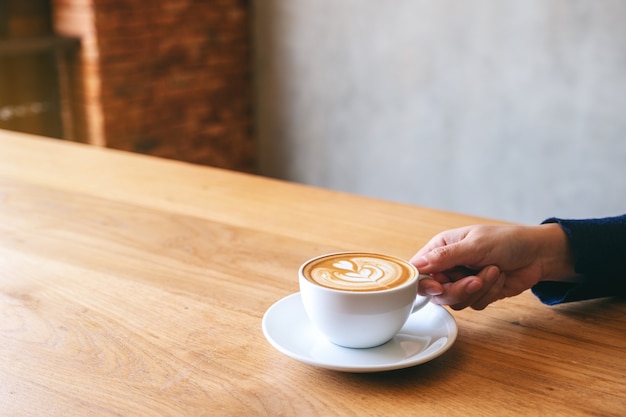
x,y
508,109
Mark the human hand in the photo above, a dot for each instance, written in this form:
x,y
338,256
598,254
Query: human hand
x,y
476,265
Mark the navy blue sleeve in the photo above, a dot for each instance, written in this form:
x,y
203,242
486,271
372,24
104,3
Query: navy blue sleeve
x,y
599,247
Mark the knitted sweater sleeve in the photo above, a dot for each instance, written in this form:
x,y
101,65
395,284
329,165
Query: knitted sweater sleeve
x,y
599,247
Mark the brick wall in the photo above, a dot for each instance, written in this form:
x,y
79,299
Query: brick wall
x,y
170,78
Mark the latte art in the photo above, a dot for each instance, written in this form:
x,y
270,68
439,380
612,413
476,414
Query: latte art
x,y
358,272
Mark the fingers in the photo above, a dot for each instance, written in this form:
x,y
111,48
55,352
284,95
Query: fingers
x,y
442,239
440,258
429,287
494,293
458,292
452,258
476,291
445,252
492,282
419,259
434,285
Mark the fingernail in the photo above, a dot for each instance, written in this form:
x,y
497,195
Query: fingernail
x,y
433,291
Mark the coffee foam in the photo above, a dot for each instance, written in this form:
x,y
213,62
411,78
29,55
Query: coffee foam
x,y
358,272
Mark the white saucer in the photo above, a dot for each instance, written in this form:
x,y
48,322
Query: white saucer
x,y
427,334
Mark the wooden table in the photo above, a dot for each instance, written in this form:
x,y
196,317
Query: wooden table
x,y
136,286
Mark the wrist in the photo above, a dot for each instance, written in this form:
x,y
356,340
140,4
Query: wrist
x,y
555,253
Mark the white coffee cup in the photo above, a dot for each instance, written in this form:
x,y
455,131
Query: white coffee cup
x,y
359,299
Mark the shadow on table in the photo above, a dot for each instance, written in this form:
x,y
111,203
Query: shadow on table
x,y
427,373
600,307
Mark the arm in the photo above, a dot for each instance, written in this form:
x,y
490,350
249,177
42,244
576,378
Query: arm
x,y
476,265
599,250
561,260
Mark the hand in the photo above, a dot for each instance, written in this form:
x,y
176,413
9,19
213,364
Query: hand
x,y
477,265
462,287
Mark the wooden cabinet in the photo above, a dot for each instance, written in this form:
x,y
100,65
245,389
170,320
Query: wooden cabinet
x,y
32,69
31,85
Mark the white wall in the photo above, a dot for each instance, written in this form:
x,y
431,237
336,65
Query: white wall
x,y
508,109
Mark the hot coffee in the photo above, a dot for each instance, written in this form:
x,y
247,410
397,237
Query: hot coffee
x,y
358,299
359,272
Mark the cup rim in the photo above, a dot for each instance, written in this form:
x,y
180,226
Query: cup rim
x,y
409,282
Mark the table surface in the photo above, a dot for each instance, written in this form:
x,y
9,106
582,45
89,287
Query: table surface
x,y
136,286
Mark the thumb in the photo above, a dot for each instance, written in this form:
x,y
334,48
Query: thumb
x,y
445,257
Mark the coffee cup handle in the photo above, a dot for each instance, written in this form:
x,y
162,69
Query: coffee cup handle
x,y
421,301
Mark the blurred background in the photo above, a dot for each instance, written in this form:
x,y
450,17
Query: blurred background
x,y
513,110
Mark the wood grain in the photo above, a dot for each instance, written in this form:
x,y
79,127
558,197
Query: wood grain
x,y
135,286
